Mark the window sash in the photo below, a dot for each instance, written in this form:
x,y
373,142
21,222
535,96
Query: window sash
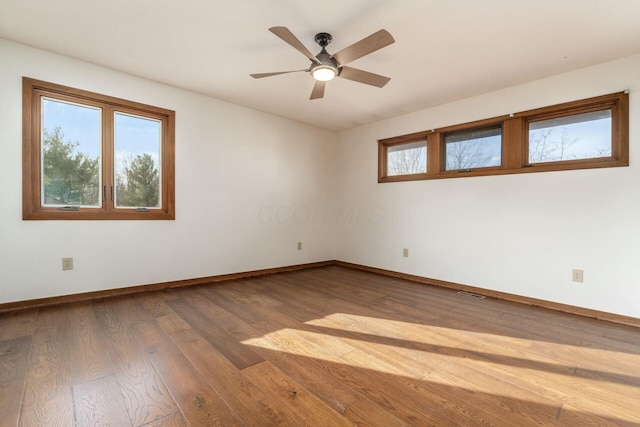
x,y
473,149
407,159
119,163
548,146
45,130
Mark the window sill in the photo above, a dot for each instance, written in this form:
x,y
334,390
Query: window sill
x,y
539,167
92,215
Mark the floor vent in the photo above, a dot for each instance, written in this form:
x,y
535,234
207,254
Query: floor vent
x,y
470,294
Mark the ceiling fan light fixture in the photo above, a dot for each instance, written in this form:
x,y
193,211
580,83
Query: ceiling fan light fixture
x,y
325,67
324,73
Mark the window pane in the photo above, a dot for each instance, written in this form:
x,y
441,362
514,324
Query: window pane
x,y
580,136
138,142
71,154
407,159
479,148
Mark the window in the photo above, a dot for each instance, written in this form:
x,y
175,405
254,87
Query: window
x,y
591,133
407,159
472,149
90,156
579,136
138,148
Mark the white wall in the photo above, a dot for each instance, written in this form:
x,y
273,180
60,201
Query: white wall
x,y
249,186
519,234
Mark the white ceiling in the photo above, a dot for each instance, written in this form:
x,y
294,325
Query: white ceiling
x,y
444,50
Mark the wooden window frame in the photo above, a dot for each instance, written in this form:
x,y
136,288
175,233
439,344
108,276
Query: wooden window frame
x,y
515,143
32,209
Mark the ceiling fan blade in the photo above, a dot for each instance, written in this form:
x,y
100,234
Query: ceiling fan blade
x,y
362,76
261,75
287,36
375,41
318,90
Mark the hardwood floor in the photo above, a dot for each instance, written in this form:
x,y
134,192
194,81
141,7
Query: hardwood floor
x,y
328,346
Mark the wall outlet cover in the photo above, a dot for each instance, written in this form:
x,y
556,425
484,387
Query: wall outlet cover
x,y
67,264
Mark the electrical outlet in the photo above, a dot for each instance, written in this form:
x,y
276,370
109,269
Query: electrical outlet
x,y
405,252
299,246
67,264
577,275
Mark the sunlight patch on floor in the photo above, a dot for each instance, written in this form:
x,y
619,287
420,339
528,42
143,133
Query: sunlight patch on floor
x,y
476,341
426,353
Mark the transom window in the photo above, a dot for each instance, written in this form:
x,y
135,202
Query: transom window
x,y
591,133
407,159
574,137
472,149
90,156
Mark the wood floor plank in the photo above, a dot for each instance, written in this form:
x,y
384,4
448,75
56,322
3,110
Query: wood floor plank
x,y
238,354
317,377
17,324
14,355
146,397
364,412
229,299
174,420
384,389
172,322
90,359
246,293
513,403
230,322
99,403
574,417
293,397
240,394
47,397
196,399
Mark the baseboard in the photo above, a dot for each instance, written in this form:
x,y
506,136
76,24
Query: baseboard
x,y
565,308
85,296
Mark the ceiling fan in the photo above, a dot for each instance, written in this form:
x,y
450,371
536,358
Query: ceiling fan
x,y
325,67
